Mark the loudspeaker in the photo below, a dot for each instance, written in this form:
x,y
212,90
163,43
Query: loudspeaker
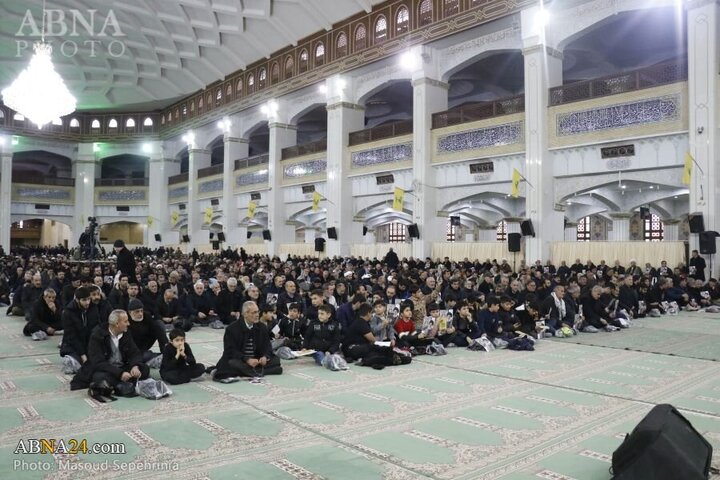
x,y
332,233
319,244
266,235
214,202
365,230
216,245
514,242
455,221
249,235
186,238
527,229
696,222
413,231
158,238
212,235
644,212
221,236
707,242
663,446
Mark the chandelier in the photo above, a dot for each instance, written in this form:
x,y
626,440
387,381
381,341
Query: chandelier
x,y
39,92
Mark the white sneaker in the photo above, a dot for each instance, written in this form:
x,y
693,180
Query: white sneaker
x,y
70,365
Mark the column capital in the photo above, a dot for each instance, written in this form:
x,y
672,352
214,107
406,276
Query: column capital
x,y
549,51
513,219
691,4
228,139
198,151
339,105
672,221
620,215
487,227
283,126
430,81
572,225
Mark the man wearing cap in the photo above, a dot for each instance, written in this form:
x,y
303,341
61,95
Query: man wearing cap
x,y
125,259
145,331
77,325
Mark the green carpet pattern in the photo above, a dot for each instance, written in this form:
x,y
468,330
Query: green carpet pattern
x,y
556,413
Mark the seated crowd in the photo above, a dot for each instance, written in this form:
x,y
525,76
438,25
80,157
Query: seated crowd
x,y
112,314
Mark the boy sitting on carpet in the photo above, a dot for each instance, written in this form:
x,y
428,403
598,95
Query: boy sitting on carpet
x,y
323,334
178,362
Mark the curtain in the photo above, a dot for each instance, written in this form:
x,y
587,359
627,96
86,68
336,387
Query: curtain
x,y
475,251
379,250
641,252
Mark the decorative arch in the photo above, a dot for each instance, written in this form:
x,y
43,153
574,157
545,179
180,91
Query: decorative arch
x,y
289,66
319,54
341,45
425,13
262,78
402,20
360,37
304,61
381,29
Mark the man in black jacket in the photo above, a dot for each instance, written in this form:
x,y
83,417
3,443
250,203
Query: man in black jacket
x,y
45,315
125,259
77,326
30,293
145,331
247,351
112,355
198,307
229,302
169,309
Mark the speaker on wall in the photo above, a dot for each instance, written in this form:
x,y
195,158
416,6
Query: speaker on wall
x,y
707,242
319,244
216,245
413,231
527,229
455,221
212,235
249,235
266,235
214,202
332,233
365,230
696,222
514,242
221,236
644,212
186,238
158,238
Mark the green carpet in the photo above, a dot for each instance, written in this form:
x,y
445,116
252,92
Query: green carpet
x,y
556,413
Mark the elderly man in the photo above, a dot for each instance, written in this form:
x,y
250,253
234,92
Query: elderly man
x,y
169,310
288,297
146,331
247,350
44,317
112,355
199,308
229,302
31,293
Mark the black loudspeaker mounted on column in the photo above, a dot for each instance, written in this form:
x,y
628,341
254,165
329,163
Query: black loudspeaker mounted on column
x,y
514,242
212,235
158,238
707,242
319,244
221,236
266,235
644,212
413,231
365,230
216,245
527,229
663,446
332,233
249,235
455,221
696,222
186,238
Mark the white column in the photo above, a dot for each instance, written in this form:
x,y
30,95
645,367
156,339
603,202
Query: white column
x,y
198,158
5,193
671,230
281,135
620,227
703,20
429,96
84,169
571,232
310,235
158,197
543,70
369,237
235,149
513,224
343,118
488,234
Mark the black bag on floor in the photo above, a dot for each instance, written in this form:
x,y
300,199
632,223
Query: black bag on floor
x,y
663,446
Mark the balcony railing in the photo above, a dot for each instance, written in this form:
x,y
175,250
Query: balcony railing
x,y
252,161
35,179
653,76
304,149
472,112
121,182
183,177
381,132
210,171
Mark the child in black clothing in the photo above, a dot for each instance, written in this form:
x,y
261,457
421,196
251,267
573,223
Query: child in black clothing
x,y
178,363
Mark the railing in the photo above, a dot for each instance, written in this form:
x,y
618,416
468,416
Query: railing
x,y
183,177
210,171
35,179
121,182
472,112
304,149
381,132
252,161
647,77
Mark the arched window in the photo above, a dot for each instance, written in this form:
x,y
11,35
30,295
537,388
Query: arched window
x,y
228,90
275,73
74,123
262,78
239,88
341,45
452,7
130,123
201,104
380,29
251,83
397,232
501,234
148,122
19,117
177,114
402,20
319,54
425,12
360,37
289,67
303,61
583,230
184,110
162,120
192,106
218,96
209,100
95,124
57,122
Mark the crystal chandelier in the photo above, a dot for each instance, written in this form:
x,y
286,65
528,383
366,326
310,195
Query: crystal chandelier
x,y
39,92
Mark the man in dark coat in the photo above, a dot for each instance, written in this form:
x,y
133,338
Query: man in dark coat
x,y
77,326
247,351
125,259
392,260
45,315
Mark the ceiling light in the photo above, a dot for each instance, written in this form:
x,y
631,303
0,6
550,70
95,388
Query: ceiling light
x,y
569,203
542,18
15,140
39,92
410,61
224,124
96,147
623,187
651,187
322,88
189,139
147,148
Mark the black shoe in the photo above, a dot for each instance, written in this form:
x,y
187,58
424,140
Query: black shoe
x,y
210,369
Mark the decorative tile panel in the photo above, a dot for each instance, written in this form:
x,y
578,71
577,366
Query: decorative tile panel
x,y
116,195
178,192
653,110
211,186
497,136
304,169
44,193
375,156
251,178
